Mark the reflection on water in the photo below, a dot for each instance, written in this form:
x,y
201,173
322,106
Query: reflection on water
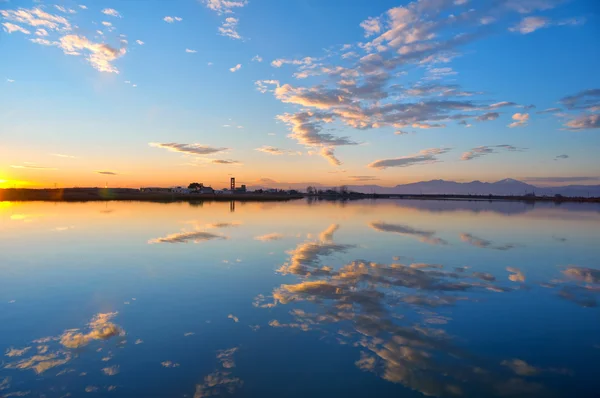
x,y
365,298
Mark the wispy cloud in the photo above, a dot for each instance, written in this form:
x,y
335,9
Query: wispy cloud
x,y
11,27
187,50
109,173
560,179
530,24
188,149
329,154
32,166
112,12
269,237
226,162
229,28
486,150
185,237
560,157
426,156
172,19
363,178
235,68
257,58
141,43
223,6
271,150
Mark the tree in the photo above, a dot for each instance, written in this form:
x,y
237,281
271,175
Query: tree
x,y
195,185
310,190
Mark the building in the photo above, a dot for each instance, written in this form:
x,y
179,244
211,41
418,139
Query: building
x,y
206,190
180,190
155,190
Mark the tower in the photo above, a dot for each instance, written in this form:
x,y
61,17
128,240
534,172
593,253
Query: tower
x,y
233,183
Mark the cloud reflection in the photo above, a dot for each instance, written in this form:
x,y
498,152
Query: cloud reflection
x,y
423,236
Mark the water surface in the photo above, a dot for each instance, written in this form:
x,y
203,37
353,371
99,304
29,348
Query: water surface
x,y
366,298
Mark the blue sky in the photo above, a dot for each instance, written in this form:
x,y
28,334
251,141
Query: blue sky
x,y
331,92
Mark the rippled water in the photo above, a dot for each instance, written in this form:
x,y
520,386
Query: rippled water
x,y
297,299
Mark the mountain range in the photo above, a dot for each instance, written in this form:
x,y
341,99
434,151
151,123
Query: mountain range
x,y
507,186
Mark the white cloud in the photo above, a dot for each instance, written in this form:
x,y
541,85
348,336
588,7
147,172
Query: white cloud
x,y
257,58
100,55
371,26
172,19
141,43
223,6
10,80
520,119
11,27
229,28
112,12
187,50
271,150
106,23
36,18
235,68
83,7
41,32
261,85
530,24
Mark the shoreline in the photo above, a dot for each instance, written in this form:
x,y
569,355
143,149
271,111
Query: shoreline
x,y
124,194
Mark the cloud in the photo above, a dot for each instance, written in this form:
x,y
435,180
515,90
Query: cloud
x,y
14,352
235,68
111,370
141,43
328,153
101,328
229,28
269,237
257,58
483,243
226,162
423,236
516,274
185,237
271,150
548,110
37,18
585,99
486,150
10,28
32,166
112,12
584,122
10,81
530,24
100,56
106,23
223,6
560,179
172,19
188,149
187,50
558,157
501,105
521,367
363,178
488,116
520,119
426,156
371,26
261,85
109,173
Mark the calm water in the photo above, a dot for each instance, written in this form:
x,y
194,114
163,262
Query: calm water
x,y
361,299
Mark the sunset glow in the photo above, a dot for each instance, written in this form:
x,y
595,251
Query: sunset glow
x,y
394,92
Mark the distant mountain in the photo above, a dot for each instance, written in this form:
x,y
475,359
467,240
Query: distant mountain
x,y
507,186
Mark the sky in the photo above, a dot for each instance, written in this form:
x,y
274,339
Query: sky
x,y
298,92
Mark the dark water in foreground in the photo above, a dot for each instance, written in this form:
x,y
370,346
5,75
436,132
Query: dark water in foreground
x,y
386,299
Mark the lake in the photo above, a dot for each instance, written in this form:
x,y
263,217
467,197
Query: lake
x,y
296,299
